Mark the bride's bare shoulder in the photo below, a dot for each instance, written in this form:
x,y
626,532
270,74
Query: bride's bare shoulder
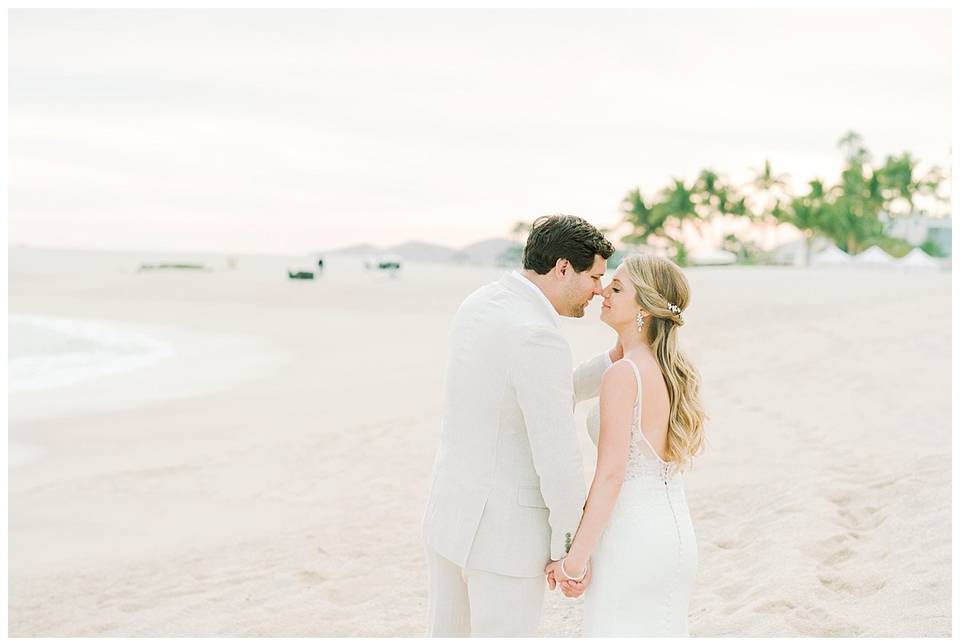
x,y
651,378
618,378
618,372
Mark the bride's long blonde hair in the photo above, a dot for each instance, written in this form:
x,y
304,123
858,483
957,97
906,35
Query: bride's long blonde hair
x,y
660,283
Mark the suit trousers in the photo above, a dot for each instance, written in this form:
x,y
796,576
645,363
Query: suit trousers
x,y
469,602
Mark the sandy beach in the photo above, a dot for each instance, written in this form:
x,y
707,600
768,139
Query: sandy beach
x,y
269,477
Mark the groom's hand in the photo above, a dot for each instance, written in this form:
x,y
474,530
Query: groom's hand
x,y
551,570
617,352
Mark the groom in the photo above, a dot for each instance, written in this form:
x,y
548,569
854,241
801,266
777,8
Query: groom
x,y
508,490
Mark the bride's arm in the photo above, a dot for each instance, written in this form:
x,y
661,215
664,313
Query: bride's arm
x,y
618,391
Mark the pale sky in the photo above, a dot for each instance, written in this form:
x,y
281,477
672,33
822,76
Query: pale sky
x,y
285,131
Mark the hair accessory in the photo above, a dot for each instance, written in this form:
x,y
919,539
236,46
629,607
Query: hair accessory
x,y
675,310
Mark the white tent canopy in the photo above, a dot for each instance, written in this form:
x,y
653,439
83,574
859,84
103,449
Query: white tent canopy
x,y
875,256
795,252
831,256
716,257
918,259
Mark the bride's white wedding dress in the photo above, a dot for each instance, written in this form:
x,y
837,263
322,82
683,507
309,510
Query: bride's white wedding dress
x,y
645,563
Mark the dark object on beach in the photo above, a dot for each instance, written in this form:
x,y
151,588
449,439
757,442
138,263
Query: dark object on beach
x,y
300,275
320,264
167,265
390,262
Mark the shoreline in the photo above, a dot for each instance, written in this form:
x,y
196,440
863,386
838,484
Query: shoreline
x,y
117,349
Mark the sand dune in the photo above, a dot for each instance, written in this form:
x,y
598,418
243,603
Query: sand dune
x,y
270,478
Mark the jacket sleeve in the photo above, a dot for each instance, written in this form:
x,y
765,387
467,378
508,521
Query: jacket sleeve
x,y
587,376
540,373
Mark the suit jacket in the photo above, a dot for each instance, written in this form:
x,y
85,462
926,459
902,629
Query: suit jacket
x,y
507,492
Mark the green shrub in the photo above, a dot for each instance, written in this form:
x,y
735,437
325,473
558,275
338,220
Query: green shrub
x,y
932,249
896,247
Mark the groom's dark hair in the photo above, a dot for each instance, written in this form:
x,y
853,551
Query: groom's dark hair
x,y
570,237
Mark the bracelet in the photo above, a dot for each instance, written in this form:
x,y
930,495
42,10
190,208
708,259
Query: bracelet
x,y
563,570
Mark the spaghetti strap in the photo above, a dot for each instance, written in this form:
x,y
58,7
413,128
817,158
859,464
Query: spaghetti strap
x,y
636,404
636,411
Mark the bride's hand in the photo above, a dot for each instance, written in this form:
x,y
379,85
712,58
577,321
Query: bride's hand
x,y
570,588
573,589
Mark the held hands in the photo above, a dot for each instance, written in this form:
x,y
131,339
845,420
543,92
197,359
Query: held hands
x,y
570,588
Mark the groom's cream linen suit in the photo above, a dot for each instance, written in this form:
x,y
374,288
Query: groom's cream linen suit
x,y
508,488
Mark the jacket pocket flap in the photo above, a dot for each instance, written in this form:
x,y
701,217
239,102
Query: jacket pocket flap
x,y
531,497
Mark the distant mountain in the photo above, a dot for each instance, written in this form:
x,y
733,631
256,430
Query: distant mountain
x,y
487,252
352,250
422,252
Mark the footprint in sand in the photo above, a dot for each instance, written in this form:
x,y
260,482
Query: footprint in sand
x,y
859,587
839,557
346,597
727,544
835,548
815,621
775,606
312,577
841,499
861,518
883,484
789,508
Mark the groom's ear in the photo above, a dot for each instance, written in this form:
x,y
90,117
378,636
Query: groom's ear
x,y
562,266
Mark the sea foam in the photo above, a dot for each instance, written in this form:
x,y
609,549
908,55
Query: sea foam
x,y
48,352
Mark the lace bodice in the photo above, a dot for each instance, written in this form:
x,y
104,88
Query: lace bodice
x,y
642,460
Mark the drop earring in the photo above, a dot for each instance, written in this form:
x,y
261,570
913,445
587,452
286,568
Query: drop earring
x,y
639,323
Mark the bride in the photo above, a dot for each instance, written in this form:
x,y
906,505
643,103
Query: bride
x,y
636,538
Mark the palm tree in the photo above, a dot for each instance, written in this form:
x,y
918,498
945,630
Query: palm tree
x,y
716,198
678,205
769,185
901,184
853,219
853,148
808,214
641,216
663,218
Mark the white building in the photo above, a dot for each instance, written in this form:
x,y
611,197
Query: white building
x,y
918,228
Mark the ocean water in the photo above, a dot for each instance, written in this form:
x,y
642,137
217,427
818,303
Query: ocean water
x,y
49,352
